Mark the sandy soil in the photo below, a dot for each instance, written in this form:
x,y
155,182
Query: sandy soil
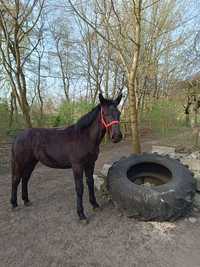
x,y
49,233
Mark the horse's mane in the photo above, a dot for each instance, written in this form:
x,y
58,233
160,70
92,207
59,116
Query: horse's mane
x,y
87,119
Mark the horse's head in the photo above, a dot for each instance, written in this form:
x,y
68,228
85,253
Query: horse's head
x,y
110,117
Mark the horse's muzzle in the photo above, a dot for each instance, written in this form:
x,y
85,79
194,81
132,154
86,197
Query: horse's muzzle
x,y
116,138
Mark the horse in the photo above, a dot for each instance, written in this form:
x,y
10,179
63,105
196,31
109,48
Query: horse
x,y
76,147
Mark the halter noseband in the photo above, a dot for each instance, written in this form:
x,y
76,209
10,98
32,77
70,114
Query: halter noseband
x,y
107,125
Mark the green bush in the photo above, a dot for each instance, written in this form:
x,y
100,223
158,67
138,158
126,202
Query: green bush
x,y
4,118
70,112
8,129
67,114
165,117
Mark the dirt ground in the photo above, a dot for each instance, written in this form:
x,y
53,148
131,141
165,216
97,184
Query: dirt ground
x,y
49,233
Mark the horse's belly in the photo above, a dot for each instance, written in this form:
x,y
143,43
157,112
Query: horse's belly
x,y
54,165
54,162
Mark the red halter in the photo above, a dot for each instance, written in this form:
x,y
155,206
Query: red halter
x,y
107,125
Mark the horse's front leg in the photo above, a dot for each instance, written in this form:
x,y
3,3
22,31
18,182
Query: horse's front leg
x,y
89,171
78,178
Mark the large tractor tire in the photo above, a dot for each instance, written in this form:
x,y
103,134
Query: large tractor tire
x,y
152,187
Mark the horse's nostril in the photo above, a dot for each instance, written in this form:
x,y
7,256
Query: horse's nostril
x,y
116,137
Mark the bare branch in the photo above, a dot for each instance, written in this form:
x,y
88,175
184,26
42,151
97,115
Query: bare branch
x,y
86,20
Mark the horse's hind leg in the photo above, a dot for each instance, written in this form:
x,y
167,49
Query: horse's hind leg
x,y
16,177
25,178
15,182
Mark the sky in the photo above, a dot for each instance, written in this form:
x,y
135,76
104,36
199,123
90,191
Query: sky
x,y
60,9
191,20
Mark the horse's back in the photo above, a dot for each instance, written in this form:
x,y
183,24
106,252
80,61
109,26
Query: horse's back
x,y
31,134
22,144
50,146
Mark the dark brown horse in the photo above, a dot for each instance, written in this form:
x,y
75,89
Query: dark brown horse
x,y
75,147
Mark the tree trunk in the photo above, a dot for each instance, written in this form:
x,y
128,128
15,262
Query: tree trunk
x,y
133,113
132,80
187,119
27,119
25,104
12,109
26,113
65,85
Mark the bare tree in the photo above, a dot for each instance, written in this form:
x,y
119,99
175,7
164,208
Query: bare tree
x,y
123,34
64,52
17,22
93,51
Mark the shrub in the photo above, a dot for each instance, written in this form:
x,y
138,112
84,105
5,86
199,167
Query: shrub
x,y
164,116
70,112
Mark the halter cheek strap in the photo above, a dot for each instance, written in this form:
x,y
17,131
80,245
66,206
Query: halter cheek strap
x,y
107,125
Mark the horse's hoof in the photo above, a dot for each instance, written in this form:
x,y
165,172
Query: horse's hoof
x,y
84,221
28,203
14,205
14,208
97,208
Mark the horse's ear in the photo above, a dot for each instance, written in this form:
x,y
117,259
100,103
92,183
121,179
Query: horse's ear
x,y
101,98
118,99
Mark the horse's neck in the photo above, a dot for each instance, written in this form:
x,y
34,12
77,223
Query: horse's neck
x,y
96,131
